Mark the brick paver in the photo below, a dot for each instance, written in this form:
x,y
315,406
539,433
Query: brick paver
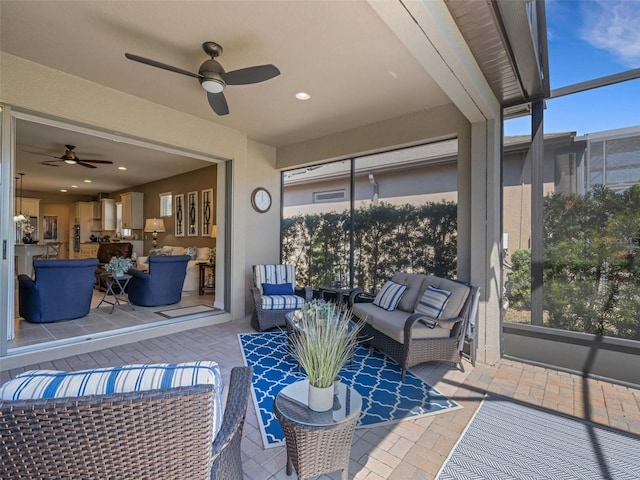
x,y
414,449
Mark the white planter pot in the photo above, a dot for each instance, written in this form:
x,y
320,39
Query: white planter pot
x,y
320,399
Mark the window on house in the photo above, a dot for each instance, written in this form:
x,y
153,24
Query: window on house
x,y
165,204
331,196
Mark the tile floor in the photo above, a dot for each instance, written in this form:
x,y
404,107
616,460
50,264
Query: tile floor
x,y
407,450
100,319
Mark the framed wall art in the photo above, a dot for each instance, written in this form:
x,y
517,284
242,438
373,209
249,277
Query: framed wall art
x,y
207,212
50,227
192,214
178,203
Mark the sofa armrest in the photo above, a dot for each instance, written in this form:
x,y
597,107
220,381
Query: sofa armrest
x,y
28,298
135,273
448,323
360,296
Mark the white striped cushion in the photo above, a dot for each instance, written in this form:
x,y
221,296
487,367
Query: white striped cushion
x,y
274,274
390,295
37,384
432,302
281,302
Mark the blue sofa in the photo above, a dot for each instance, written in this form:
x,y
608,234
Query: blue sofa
x,y
62,290
162,285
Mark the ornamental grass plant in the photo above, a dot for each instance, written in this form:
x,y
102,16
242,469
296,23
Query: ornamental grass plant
x,y
324,341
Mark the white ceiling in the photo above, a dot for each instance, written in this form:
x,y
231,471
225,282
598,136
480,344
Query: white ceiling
x,y
341,52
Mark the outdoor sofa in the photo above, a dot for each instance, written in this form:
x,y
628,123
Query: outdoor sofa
x,y
418,318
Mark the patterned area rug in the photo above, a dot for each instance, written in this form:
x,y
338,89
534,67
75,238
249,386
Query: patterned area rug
x,y
508,440
377,378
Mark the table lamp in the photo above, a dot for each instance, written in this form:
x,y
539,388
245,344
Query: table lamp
x,y
154,225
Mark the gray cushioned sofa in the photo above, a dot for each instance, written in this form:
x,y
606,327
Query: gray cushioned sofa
x,y
401,333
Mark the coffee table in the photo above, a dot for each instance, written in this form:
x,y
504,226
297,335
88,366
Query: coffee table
x,y
115,287
317,442
337,292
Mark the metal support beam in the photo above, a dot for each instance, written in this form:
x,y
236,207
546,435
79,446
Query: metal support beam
x,y
537,179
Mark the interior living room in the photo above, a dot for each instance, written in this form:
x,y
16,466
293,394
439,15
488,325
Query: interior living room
x,y
227,99
93,202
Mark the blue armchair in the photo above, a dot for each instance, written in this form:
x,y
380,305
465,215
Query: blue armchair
x,y
62,290
162,285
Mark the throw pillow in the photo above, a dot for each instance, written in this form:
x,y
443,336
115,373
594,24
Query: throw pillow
x,y
432,302
203,253
160,251
390,295
277,289
177,250
192,252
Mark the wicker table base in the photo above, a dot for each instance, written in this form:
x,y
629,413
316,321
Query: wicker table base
x,y
317,442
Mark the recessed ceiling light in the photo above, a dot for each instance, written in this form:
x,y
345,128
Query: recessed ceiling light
x,y
87,181
63,190
74,186
122,168
303,96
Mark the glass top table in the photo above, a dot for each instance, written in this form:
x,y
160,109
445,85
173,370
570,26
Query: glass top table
x,y
317,442
293,403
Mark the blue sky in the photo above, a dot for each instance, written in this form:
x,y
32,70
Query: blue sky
x,y
589,39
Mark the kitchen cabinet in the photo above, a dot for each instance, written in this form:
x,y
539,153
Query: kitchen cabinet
x,y
108,213
28,206
132,210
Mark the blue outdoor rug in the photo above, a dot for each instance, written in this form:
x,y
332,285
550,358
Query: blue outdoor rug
x,y
509,440
377,378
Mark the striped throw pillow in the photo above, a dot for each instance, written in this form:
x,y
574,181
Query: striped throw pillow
x,y
390,295
432,302
37,384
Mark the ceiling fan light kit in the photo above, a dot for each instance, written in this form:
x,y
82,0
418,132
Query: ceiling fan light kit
x,y
212,76
70,158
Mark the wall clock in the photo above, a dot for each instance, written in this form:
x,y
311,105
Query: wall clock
x,y
261,199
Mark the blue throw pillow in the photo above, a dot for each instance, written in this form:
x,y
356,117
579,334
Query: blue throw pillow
x,y
277,289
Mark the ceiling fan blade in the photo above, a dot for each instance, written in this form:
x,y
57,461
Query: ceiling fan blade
x,y
218,103
88,165
246,76
95,161
49,163
164,66
43,154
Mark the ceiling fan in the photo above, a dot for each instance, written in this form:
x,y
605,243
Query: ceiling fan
x,y
213,78
71,158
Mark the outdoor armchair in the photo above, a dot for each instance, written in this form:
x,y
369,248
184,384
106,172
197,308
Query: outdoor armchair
x,y
275,294
164,433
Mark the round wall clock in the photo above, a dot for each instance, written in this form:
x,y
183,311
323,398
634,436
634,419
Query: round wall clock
x,y
261,199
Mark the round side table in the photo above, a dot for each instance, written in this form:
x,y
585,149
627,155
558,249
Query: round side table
x,y
317,442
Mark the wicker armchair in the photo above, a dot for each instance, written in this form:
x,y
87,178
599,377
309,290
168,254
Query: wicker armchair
x,y
270,310
163,433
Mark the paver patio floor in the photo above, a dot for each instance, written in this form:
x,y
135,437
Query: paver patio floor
x,y
414,449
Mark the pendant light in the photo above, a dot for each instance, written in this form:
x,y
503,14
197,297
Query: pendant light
x,y
20,217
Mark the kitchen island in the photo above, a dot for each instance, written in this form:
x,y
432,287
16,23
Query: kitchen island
x,y
24,256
